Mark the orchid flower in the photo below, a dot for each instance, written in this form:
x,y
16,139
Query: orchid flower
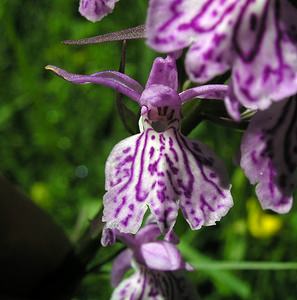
x,y
95,10
160,168
257,39
269,154
158,268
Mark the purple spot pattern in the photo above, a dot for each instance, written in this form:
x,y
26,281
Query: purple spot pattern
x,y
95,10
178,173
256,39
269,154
154,285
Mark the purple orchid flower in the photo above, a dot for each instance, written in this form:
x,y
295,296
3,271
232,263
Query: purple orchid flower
x,y
160,168
269,154
158,268
95,10
256,39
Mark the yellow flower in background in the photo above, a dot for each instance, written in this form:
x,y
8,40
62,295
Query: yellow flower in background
x,y
40,195
261,224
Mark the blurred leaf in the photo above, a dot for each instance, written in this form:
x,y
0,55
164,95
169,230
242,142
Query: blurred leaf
x,y
32,246
224,280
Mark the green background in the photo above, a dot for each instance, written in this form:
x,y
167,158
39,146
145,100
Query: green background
x,y
55,138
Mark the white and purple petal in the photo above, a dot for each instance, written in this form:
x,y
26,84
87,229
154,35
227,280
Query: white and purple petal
x,y
265,60
269,154
256,39
95,10
205,198
154,285
205,25
165,171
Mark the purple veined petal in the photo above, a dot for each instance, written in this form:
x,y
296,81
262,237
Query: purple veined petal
x,y
165,23
256,39
211,91
204,185
120,266
211,53
122,209
161,256
265,66
165,171
154,285
115,80
208,57
133,287
205,25
164,72
95,10
175,24
268,154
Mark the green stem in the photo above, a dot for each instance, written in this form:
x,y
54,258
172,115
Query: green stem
x,y
246,265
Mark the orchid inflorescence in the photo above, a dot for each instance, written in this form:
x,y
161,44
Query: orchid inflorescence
x,y
162,170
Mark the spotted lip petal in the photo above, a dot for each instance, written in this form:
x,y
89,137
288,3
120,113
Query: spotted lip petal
x,y
165,171
269,156
154,285
257,39
95,10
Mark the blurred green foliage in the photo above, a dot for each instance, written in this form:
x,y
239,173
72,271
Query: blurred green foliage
x,y
55,138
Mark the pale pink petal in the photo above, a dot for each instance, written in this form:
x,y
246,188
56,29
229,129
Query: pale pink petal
x,y
162,256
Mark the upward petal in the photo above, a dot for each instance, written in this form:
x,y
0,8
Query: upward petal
x,y
269,154
95,10
164,72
